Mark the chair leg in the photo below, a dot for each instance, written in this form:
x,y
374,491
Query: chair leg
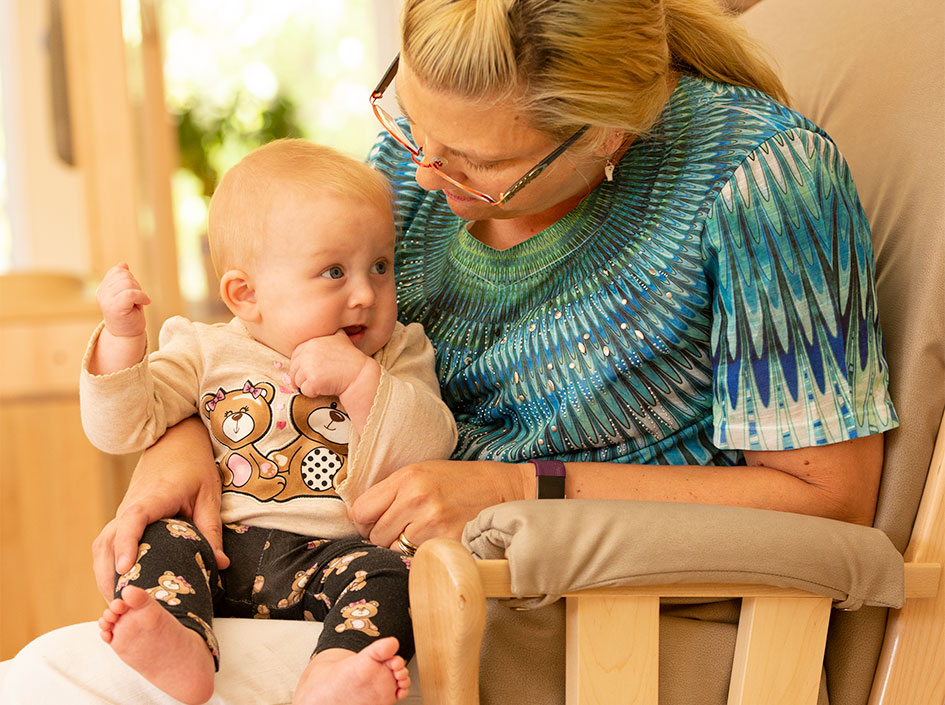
x,y
779,651
613,650
449,617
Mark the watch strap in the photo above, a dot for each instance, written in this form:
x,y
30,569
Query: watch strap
x,y
550,476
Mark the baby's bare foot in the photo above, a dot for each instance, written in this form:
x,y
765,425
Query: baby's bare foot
x,y
373,676
151,641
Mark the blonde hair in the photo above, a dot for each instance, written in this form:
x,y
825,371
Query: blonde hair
x,y
571,62
242,202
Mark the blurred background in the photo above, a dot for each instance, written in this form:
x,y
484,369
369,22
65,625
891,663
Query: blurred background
x,y
235,74
118,118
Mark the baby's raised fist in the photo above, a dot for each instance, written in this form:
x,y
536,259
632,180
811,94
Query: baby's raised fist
x,y
122,302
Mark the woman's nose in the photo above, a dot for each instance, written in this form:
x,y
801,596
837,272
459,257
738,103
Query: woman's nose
x,y
429,179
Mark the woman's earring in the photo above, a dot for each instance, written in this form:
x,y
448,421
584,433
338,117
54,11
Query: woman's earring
x,y
609,170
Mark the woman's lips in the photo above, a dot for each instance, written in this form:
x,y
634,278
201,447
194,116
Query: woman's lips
x,y
457,197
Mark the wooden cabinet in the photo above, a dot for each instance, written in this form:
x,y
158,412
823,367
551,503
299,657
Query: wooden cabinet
x,y
56,490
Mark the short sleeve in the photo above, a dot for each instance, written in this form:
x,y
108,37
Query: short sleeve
x,y
796,343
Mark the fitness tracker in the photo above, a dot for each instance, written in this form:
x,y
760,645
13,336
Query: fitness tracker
x,y
550,475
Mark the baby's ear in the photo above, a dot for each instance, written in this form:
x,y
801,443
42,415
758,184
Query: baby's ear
x,y
237,292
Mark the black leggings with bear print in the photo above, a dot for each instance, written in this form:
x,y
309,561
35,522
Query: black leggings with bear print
x,y
358,590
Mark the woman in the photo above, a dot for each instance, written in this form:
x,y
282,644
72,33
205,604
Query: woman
x,y
679,305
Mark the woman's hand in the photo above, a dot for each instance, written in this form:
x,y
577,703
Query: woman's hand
x,y
436,498
175,477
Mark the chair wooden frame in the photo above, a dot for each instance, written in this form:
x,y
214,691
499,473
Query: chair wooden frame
x,y
780,643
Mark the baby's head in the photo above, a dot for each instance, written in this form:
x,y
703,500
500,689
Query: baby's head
x,y
302,239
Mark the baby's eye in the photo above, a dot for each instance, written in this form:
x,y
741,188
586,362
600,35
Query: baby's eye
x,y
333,273
380,267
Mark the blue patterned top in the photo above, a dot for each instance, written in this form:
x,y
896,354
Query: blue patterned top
x,y
717,296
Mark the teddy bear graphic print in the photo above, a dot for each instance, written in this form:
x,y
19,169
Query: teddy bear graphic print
x,y
312,463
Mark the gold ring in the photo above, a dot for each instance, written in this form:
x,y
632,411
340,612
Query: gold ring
x,y
405,545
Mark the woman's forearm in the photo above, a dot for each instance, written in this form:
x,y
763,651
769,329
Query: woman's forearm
x,y
838,481
175,477
438,497
181,461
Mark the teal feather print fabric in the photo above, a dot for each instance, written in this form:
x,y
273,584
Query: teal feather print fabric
x,y
717,296
795,338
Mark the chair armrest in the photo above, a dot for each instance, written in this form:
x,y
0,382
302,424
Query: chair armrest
x,y
614,560
613,632
555,547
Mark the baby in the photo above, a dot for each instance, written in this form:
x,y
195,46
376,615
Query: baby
x,y
311,393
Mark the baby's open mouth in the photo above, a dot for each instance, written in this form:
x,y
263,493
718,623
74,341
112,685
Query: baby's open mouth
x,y
352,331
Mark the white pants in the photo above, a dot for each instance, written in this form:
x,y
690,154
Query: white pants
x,y
261,661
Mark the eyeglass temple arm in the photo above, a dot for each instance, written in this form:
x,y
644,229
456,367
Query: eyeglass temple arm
x,y
533,173
386,79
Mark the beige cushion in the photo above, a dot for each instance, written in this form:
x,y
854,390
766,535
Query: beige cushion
x,y
558,546
870,72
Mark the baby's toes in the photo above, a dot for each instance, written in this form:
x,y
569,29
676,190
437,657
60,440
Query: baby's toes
x,y
118,607
402,679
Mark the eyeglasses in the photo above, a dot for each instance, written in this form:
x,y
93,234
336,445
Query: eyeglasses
x,y
416,153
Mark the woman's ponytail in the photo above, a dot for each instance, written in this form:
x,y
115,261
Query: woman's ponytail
x,y
705,40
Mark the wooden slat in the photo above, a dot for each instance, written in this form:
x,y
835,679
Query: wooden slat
x,y
103,130
710,590
612,650
924,579
124,149
159,152
779,651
